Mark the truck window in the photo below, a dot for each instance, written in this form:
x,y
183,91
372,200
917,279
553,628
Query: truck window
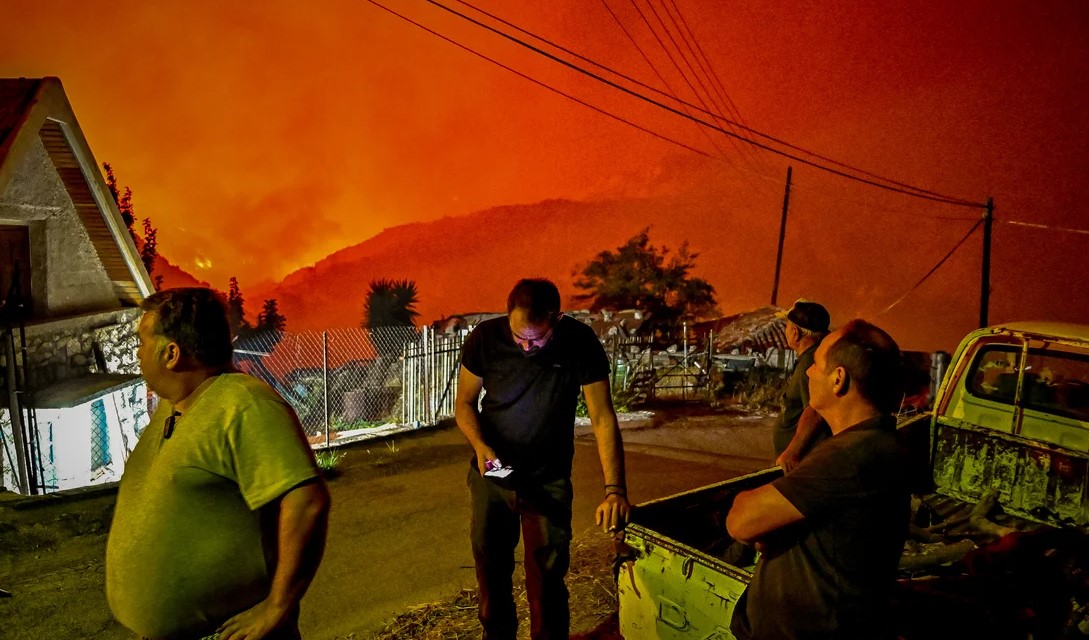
x,y
994,373
1057,382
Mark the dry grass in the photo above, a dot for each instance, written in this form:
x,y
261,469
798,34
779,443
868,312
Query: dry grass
x,y
590,581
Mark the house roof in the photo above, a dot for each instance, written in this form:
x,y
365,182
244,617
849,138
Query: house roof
x,y
37,109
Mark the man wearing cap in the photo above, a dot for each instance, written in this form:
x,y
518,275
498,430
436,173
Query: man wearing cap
x,y
799,426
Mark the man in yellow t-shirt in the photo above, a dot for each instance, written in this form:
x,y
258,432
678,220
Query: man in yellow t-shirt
x,y
221,514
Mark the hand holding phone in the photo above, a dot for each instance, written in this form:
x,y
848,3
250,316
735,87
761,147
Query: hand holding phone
x,y
495,469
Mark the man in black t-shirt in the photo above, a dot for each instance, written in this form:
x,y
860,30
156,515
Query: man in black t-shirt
x,y
531,365
833,529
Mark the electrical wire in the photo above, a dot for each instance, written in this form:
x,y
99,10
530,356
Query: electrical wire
x,y
686,36
669,55
932,270
670,96
886,184
1046,227
654,68
542,84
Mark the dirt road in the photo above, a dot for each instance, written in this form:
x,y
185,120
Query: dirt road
x,y
398,531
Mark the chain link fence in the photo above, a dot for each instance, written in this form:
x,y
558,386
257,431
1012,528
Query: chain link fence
x,y
351,383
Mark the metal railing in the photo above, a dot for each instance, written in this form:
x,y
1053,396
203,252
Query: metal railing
x,y
430,374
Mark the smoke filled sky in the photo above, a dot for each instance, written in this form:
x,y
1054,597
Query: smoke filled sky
x,y
261,137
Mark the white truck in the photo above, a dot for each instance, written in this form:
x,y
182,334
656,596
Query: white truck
x,y
997,546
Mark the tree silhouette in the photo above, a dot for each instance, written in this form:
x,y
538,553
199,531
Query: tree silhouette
x,y
149,250
640,275
123,200
389,312
236,312
270,318
148,245
390,303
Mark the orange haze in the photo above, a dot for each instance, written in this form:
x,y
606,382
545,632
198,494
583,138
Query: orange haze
x,y
260,139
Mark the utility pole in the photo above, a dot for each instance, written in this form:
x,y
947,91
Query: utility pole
x,y
985,284
782,237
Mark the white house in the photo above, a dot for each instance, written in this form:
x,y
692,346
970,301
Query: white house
x,y
71,399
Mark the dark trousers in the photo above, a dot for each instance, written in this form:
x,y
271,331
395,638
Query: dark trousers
x,y
542,513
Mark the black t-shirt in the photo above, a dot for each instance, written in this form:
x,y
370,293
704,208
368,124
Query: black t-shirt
x,y
830,575
527,414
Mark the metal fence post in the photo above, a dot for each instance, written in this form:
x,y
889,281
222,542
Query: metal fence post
x,y
404,384
325,379
684,386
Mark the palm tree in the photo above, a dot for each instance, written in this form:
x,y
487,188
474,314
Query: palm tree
x,y
390,303
389,313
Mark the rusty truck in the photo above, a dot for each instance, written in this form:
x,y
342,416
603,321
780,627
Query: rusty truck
x,y
997,545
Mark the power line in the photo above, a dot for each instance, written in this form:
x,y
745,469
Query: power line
x,y
669,55
689,39
654,68
717,83
901,188
681,101
1046,227
935,268
539,83
706,108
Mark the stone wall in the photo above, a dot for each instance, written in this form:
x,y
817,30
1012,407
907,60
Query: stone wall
x,y
74,347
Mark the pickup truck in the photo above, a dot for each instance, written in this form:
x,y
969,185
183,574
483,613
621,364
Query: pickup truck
x,y
997,545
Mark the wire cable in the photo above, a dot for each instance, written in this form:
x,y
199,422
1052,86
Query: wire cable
x,y
931,272
1046,227
542,84
706,109
724,106
643,85
654,68
886,184
717,83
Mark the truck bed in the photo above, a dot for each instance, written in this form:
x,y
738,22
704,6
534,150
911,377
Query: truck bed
x,y
1017,578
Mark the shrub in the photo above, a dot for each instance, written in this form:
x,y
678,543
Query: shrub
x,y
621,402
756,390
328,459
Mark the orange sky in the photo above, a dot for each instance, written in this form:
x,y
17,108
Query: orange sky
x,y
260,141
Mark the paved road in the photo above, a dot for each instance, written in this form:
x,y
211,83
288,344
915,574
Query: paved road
x,y
399,533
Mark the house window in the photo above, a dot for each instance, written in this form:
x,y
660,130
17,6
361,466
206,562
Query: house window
x,y
15,268
100,436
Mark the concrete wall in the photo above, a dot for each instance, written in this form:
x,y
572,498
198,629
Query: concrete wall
x,y
80,345
70,442
68,276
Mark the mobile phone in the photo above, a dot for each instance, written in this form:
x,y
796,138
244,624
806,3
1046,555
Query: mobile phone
x,y
495,469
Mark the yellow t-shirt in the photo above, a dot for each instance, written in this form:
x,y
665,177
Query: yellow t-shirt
x,y
185,548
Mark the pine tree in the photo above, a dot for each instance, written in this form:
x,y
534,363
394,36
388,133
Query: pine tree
x,y
149,250
123,201
270,318
236,312
147,245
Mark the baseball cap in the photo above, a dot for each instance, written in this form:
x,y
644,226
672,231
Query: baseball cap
x,y
808,315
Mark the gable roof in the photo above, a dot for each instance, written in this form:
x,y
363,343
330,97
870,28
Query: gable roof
x,y
34,109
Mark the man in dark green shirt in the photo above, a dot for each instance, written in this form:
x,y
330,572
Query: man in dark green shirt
x,y
799,426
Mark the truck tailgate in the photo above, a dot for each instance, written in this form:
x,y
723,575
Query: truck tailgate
x,y
671,589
